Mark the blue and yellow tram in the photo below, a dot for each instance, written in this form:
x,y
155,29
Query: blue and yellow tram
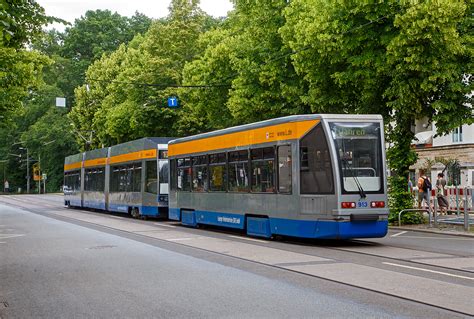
x,y
128,178
309,176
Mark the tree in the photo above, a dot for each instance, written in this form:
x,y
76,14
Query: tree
x,y
405,60
20,69
249,68
21,21
128,88
94,34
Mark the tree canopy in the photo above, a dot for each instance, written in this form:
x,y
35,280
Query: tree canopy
x,y
405,60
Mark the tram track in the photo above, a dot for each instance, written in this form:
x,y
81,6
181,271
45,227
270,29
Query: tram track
x,y
326,245
42,210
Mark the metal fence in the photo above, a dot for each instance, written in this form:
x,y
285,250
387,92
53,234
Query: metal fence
x,y
457,199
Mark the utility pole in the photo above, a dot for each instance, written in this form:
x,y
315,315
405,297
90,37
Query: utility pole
x,y
39,173
27,169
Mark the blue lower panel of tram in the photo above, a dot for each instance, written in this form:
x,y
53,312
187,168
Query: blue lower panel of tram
x,y
151,211
94,204
288,227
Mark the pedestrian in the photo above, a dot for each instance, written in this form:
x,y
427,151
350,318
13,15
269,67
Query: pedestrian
x,y
442,201
424,189
6,186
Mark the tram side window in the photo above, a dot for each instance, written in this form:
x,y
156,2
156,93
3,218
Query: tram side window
x,y
94,179
184,174
200,174
284,169
217,173
126,178
263,163
173,175
72,181
316,174
238,171
151,178
136,172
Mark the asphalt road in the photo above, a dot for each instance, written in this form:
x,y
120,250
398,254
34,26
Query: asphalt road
x,y
59,263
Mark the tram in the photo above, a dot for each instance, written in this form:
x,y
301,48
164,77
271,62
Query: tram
x,y
127,178
308,176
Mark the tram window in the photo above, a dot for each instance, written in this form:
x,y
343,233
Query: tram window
x,y
151,178
263,164
173,175
316,174
199,174
284,169
163,154
217,158
100,183
184,174
217,173
136,182
238,171
238,156
94,180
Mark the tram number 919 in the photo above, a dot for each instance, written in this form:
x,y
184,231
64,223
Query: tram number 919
x,y
362,204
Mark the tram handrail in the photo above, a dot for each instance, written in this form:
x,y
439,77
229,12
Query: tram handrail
x,y
423,210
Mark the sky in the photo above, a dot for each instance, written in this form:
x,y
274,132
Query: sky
x,y
70,10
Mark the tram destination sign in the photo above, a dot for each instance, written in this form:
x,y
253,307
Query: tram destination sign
x,y
350,131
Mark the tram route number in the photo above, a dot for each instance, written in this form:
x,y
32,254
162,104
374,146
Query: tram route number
x,y
362,204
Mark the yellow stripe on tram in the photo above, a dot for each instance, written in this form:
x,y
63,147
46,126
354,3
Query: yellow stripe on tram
x,y
279,132
95,162
72,166
133,156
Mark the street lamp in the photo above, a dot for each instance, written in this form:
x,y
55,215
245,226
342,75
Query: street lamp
x,y
4,175
39,160
27,169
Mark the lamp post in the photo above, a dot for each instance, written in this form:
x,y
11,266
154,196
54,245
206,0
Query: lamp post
x,y
4,175
27,169
39,160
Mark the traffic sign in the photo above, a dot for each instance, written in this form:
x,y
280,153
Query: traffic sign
x,y
173,101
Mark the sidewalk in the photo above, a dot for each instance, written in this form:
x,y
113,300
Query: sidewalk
x,y
454,230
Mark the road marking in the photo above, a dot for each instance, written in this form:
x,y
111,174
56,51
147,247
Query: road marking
x,y
118,217
427,270
184,238
164,225
442,238
398,234
2,242
11,236
251,239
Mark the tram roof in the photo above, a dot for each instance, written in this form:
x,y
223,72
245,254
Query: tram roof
x,y
73,158
280,120
138,145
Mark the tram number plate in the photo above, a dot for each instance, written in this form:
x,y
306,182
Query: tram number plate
x,y
362,204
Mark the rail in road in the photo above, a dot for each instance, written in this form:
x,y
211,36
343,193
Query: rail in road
x,y
411,273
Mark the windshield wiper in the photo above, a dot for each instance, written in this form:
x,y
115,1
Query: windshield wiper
x,y
348,166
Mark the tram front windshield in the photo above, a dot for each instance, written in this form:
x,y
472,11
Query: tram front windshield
x,y
358,147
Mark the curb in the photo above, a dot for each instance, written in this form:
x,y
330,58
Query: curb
x,y
432,231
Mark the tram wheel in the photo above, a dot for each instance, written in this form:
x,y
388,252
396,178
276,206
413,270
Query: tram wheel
x,y
135,213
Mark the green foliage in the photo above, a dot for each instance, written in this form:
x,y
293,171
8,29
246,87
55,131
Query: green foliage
x,y
94,34
20,69
404,60
400,198
21,21
118,109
